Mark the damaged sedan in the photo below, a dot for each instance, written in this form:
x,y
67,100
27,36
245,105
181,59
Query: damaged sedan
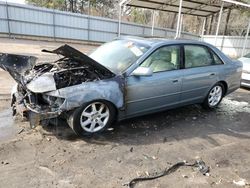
x,y
125,78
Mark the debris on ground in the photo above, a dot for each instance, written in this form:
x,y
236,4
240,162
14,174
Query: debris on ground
x,y
241,182
110,129
199,164
131,149
4,163
184,176
149,157
46,169
20,131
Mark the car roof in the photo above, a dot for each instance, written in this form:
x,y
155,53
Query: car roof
x,y
156,41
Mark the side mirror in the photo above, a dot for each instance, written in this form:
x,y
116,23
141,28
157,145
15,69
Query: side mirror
x,y
142,71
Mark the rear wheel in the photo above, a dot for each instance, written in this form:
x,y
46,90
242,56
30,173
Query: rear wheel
x,y
93,117
214,96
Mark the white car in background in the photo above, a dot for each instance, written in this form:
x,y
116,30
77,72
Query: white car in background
x,y
245,78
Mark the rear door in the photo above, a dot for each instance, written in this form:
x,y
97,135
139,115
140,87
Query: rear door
x,y
200,73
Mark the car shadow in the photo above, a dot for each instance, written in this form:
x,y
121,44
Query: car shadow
x,y
245,88
230,118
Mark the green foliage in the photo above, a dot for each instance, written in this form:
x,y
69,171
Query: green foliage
x,y
104,7
48,3
237,24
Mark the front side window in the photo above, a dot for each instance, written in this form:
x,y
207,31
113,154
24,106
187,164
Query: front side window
x,y
163,59
197,56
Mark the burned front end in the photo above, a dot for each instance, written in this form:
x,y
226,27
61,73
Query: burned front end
x,y
47,90
34,106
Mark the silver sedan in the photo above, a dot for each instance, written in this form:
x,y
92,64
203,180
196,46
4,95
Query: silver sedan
x,y
125,78
245,78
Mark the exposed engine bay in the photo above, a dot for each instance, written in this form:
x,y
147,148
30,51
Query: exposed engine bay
x,y
45,90
66,72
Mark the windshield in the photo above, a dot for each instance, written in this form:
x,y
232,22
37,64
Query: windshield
x,y
118,55
247,55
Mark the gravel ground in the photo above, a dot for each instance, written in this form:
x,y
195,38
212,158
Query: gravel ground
x,y
53,156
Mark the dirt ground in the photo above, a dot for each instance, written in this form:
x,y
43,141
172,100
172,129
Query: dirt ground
x,y
53,156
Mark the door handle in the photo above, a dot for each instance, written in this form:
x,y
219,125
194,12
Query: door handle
x,y
175,80
212,74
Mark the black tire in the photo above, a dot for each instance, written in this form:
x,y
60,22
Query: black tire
x,y
76,118
206,103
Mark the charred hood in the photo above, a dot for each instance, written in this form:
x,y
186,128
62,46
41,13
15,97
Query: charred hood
x,y
72,69
16,65
68,51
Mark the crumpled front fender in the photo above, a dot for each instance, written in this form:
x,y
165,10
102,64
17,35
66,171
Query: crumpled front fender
x,y
110,90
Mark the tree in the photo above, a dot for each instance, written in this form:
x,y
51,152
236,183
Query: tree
x,y
106,8
237,24
58,4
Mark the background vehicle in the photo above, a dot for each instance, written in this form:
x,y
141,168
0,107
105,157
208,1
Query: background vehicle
x,y
245,78
125,78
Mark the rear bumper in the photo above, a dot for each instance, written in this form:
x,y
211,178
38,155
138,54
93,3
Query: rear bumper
x,y
245,83
245,80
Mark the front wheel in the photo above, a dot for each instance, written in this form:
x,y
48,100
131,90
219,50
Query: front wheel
x,y
93,117
214,96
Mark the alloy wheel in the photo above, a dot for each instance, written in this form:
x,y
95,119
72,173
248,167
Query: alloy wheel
x,y
94,117
215,96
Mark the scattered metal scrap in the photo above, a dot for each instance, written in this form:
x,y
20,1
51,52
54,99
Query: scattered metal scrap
x,y
199,164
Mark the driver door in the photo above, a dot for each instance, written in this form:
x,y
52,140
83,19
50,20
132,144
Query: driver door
x,y
161,90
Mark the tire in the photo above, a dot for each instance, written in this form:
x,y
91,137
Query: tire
x,y
92,118
214,96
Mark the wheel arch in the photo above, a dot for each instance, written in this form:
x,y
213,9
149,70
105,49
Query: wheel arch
x,y
225,85
111,103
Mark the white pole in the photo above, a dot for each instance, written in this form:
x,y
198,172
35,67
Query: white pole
x,y
203,28
218,24
245,42
237,3
180,27
119,22
178,21
120,16
153,23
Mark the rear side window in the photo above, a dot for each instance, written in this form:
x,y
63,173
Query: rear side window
x,y
217,60
197,56
247,55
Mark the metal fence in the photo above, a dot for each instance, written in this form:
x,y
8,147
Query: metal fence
x,y
25,20
29,21
230,45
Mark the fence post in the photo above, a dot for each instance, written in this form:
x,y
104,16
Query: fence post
x,y
153,23
245,41
8,20
143,30
203,28
88,27
54,25
218,24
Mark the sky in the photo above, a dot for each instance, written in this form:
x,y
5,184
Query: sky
x,y
15,1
